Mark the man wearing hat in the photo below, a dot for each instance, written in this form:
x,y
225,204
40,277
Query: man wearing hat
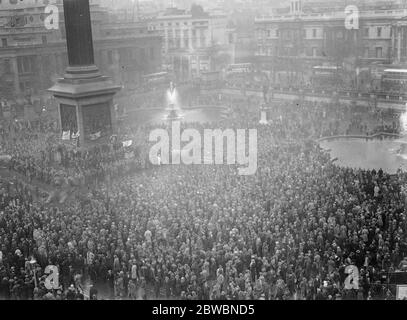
x,y
70,295
403,264
93,293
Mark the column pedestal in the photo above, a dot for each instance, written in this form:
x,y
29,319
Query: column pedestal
x,y
86,105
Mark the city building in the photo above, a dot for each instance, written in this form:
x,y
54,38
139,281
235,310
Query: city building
x,y
195,41
296,44
33,57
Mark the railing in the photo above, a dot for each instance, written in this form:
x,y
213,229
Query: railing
x,y
334,15
358,136
347,94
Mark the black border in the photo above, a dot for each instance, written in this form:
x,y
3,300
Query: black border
x,y
127,310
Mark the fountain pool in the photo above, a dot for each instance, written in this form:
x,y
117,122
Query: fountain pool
x,y
365,153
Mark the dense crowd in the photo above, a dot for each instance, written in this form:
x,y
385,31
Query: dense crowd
x,y
205,232
37,154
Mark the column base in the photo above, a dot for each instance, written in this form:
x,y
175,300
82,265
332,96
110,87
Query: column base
x,y
90,93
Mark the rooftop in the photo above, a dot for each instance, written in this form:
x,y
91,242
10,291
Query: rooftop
x,y
335,15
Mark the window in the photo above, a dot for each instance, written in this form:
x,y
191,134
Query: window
x,y
110,57
133,53
44,39
7,66
186,43
379,52
314,33
314,52
25,86
366,32
277,33
268,33
152,53
366,52
379,31
4,42
25,64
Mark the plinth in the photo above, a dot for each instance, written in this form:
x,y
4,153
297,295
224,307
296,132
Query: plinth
x,y
86,108
263,115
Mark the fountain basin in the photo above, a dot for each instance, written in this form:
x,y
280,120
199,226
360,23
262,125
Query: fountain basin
x,y
201,114
379,152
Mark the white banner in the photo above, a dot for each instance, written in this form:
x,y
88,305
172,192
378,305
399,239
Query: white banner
x,y
66,135
96,135
401,293
127,143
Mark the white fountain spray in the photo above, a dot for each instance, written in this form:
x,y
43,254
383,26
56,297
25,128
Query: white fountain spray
x,y
172,96
172,103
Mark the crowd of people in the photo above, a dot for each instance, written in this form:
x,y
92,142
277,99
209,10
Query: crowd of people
x,y
204,232
37,153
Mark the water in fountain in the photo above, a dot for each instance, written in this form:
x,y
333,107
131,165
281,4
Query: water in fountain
x,y
173,107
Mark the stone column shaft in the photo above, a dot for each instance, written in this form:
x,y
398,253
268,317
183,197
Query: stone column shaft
x,y
78,33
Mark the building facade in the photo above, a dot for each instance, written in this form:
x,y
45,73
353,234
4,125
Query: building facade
x,y
33,57
194,41
291,45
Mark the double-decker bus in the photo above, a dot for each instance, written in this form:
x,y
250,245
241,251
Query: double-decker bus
x,y
239,68
394,80
326,76
156,80
209,79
